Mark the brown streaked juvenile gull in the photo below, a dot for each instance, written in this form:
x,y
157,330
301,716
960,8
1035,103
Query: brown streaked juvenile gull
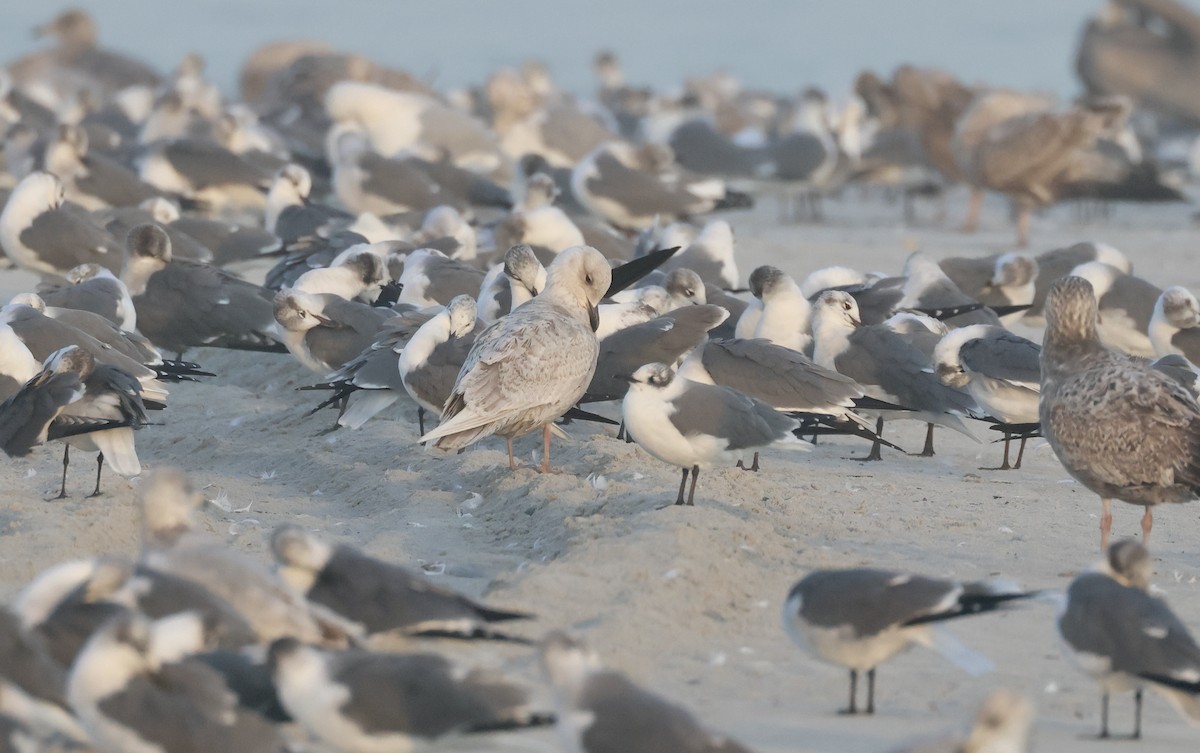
x,y
1000,369
861,617
379,596
529,367
1175,326
41,233
134,689
1126,307
603,711
694,425
363,702
324,331
431,360
1119,426
1114,629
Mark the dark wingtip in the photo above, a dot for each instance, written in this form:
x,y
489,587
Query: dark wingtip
x,y
635,269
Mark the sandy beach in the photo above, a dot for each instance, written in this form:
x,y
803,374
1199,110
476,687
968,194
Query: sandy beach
x,y
685,600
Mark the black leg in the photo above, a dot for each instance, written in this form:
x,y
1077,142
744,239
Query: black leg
x,y
99,467
876,446
421,420
682,483
1137,715
927,450
754,465
621,431
852,708
1007,440
1104,717
871,690
1020,453
62,494
692,491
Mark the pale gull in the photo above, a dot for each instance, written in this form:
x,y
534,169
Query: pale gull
x,y
1120,427
861,617
1114,629
786,315
694,425
529,367
1175,326
379,596
710,255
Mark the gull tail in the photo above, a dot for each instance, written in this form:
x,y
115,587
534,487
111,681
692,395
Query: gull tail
x,y
119,452
958,653
1183,695
365,407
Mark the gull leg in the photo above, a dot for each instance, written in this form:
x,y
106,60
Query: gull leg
x,y
421,425
1020,453
62,494
682,484
621,431
692,492
100,466
512,462
1007,441
871,690
545,449
1104,717
753,466
974,207
927,450
1105,524
852,709
1147,524
875,445
1137,711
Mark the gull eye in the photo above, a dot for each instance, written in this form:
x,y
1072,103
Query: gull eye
x,y
588,279
846,306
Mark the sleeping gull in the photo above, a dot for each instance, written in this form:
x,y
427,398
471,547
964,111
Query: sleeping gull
x,y
94,288
861,617
325,331
603,711
363,702
1004,280
786,314
358,273
1058,263
1175,326
367,181
1126,307
430,361
529,367
1120,427
379,596
133,690
747,322
692,425
92,180
710,255
1114,629
42,234
430,278
1000,370
291,215
887,366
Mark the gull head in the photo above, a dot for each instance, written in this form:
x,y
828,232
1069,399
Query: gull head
x,y
523,269
1129,563
837,308
462,315
1178,307
1071,311
582,274
149,241
296,311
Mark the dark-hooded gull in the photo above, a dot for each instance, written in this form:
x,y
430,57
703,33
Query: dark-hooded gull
x,y
888,367
1114,629
433,356
1000,370
183,305
1120,427
1174,326
118,221
379,596
91,287
603,711
42,234
171,545
133,689
529,367
1058,263
363,702
1003,724
1126,307
325,331
694,425
860,617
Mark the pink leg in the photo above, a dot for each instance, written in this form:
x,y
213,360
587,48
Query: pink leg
x,y
1147,523
512,462
545,449
1105,524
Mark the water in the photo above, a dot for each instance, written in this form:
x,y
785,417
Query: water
x,y
782,45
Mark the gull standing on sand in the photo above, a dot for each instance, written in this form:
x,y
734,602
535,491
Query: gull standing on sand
x,y
1000,370
1120,427
430,361
529,367
861,617
1126,638
1125,305
693,425
601,711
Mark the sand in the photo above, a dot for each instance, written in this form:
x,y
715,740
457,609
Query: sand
x,y
685,600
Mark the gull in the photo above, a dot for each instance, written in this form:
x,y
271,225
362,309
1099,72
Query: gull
x,y
367,181
42,234
32,683
529,367
324,331
786,314
355,274
1113,628
1058,263
710,255
379,596
861,617
693,425
183,305
999,280
684,288
430,278
538,222
92,180
1173,327
747,322
1126,307
362,702
1000,370
602,711
1119,426
118,221
291,215
205,172
91,287
887,366
133,691
431,360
